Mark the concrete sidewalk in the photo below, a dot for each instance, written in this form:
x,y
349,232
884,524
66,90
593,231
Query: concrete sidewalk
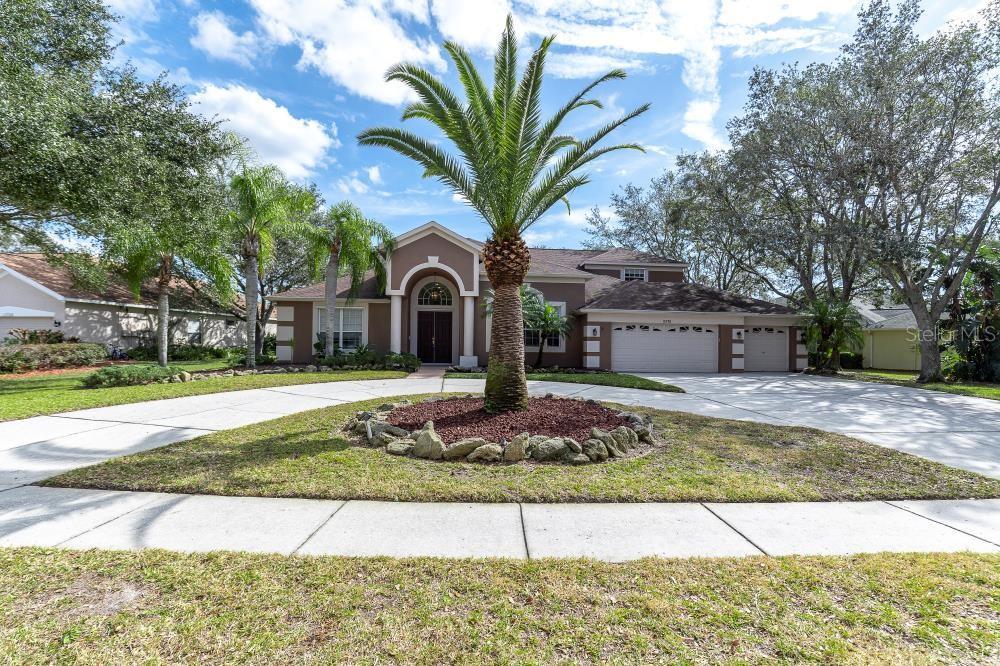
x,y
71,518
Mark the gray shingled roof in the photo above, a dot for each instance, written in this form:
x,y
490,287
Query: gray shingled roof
x,y
895,319
622,256
679,296
369,289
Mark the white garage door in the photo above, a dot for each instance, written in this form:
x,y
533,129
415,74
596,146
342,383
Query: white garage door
x,y
664,348
765,349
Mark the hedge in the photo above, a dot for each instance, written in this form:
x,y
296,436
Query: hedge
x,y
128,375
23,358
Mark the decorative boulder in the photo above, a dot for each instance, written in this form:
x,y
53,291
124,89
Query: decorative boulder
x,y
644,434
595,450
463,447
486,453
185,376
573,445
365,416
400,447
610,443
428,444
550,449
516,448
379,427
384,439
577,459
626,439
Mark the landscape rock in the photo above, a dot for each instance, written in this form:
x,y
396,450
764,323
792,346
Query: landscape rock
x,y
384,439
625,437
486,453
185,376
428,444
463,447
309,368
644,434
578,459
386,407
595,450
379,427
517,448
573,445
400,447
550,449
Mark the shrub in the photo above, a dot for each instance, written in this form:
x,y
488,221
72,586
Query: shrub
x,y
407,362
22,358
27,336
851,360
128,375
183,352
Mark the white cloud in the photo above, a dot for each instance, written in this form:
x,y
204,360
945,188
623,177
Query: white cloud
x,y
214,36
576,65
476,24
353,43
140,10
296,145
352,184
538,238
374,174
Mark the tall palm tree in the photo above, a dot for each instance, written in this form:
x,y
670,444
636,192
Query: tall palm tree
x,y
832,326
264,205
511,168
345,241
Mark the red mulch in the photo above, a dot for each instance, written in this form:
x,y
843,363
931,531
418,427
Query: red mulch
x,y
458,418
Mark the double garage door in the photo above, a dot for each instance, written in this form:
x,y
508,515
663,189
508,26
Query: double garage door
x,y
664,348
693,348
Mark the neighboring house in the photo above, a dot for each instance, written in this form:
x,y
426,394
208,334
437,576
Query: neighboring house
x,y
632,312
891,338
35,294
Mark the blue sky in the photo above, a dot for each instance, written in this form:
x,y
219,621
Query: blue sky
x,y
300,79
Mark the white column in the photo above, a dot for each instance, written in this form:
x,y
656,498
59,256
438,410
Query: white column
x,y
395,323
468,360
470,314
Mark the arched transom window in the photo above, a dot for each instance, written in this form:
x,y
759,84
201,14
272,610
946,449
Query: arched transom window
x,y
434,293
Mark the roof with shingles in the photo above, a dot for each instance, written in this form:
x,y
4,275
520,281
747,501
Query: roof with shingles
x,y
59,279
680,296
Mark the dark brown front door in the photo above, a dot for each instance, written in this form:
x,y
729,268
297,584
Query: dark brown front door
x,y
434,336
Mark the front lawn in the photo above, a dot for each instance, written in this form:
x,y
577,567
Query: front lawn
x,y
907,378
598,378
21,397
155,607
707,459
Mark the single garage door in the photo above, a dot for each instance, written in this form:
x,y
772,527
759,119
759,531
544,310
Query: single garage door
x,y
664,348
765,349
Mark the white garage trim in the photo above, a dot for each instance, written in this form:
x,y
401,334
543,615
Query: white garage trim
x,y
14,311
640,347
765,349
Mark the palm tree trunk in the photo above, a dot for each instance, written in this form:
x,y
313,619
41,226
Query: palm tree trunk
x,y
261,321
163,312
506,262
330,292
541,348
251,296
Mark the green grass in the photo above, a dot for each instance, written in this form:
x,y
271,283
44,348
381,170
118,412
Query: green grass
x,y
101,607
598,378
907,378
21,397
704,459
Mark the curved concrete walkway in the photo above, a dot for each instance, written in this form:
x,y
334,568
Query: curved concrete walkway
x,y
36,448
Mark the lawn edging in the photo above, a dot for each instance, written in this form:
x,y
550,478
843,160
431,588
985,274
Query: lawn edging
x,y
620,380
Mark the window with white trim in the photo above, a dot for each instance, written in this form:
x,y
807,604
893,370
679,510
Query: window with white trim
x,y
434,293
634,274
347,328
554,343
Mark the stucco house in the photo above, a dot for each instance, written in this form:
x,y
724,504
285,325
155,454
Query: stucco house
x,y
36,294
631,312
891,338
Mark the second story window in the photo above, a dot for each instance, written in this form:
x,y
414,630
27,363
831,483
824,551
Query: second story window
x,y
634,274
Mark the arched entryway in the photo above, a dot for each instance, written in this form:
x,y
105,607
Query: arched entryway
x,y
434,320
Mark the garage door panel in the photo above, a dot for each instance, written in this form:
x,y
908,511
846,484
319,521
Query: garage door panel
x,y
664,348
765,349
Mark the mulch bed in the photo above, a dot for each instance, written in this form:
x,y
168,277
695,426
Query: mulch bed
x,y
459,418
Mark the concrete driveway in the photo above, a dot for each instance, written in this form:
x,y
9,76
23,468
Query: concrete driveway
x,y
955,430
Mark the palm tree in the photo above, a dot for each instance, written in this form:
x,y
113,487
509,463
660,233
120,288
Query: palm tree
x,y
345,241
264,205
832,326
511,168
548,321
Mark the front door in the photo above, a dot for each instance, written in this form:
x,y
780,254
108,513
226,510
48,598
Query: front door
x,y
434,336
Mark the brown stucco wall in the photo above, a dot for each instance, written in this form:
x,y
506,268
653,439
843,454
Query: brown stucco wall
x,y
613,272
570,293
302,331
378,326
665,276
726,348
432,245
793,342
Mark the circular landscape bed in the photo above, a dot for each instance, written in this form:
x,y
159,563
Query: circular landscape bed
x,y
552,430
